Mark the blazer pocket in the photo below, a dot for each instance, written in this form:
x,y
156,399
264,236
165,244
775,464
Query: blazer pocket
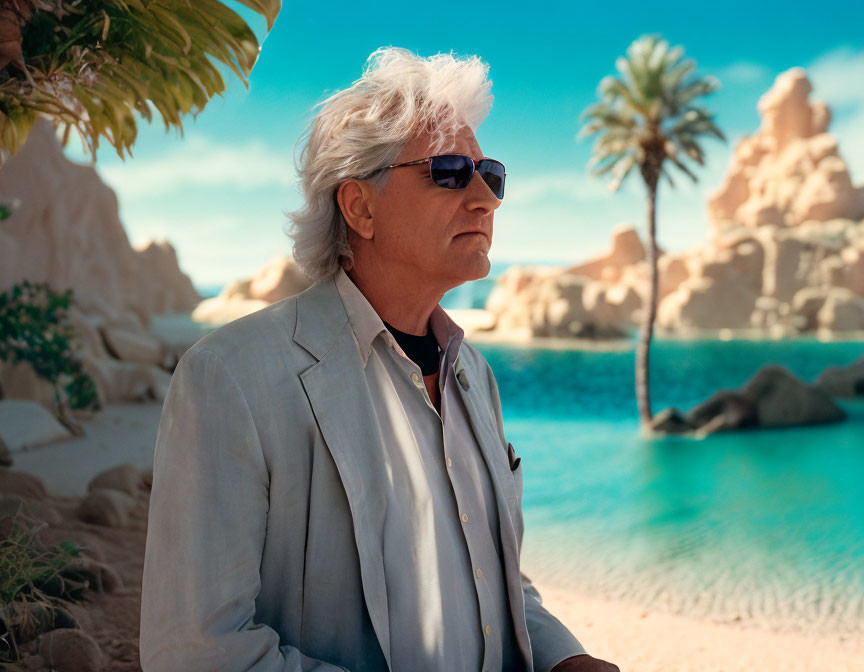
x,y
516,473
511,456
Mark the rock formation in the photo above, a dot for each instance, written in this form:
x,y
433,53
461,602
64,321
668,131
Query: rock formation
x,y
65,230
278,279
773,397
784,254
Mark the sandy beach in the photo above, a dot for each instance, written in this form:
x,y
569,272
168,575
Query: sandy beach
x,y
646,640
637,638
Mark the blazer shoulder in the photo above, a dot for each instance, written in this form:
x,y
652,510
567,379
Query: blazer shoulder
x,y
263,335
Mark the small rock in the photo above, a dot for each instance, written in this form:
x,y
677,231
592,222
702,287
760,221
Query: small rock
x,y
101,577
670,421
106,507
71,651
34,618
22,484
124,478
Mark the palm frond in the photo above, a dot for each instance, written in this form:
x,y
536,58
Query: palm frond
x,y
648,114
92,64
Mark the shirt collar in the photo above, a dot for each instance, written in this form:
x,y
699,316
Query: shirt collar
x,y
367,324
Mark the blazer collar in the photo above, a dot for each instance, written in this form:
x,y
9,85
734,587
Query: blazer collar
x,y
323,309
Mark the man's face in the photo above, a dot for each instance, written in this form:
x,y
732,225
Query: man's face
x,y
423,227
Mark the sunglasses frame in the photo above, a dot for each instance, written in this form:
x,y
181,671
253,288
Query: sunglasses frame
x,y
474,166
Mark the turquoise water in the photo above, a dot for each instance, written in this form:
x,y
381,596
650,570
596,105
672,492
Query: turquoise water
x,y
759,524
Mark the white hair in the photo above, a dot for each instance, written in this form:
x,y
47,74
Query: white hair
x,y
365,127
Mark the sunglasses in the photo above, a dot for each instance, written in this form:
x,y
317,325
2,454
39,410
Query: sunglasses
x,y
454,171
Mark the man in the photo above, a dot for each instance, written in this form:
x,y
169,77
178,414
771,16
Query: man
x,y
332,486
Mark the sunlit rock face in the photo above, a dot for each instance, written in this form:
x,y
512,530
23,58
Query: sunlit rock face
x,y
278,279
65,230
788,172
784,253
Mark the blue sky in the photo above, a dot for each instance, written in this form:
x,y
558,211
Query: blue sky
x,y
219,193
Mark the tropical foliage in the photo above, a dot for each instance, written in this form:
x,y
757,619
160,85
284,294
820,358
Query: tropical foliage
x,y
33,330
91,64
647,119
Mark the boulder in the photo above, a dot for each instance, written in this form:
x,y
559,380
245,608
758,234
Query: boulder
x,y
627,249
110,508
842,381
22,484
26,424
782,400
20,381
726,301
842,310
71,650
132,345
276,280
773,397
724,410
124,478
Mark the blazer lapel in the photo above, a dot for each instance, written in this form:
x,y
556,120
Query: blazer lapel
x,y
339,395
487,439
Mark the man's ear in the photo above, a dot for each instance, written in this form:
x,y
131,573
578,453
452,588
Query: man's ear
x,y
354,200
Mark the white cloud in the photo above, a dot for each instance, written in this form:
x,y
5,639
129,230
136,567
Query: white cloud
x,y
199,162
212,249
571,185
742,72
836,77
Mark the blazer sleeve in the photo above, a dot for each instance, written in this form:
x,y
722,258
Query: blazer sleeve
x,y
205,534
551,640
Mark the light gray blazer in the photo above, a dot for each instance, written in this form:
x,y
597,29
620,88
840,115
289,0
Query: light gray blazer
x,y
264,544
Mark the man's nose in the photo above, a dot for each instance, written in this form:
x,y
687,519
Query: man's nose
x,y
479,195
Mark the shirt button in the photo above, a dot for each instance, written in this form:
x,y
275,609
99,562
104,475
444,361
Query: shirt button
x,y
464,517
479,573
488,629
418,381
449,462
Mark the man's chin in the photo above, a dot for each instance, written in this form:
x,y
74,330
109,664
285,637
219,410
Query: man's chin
x,y
476,268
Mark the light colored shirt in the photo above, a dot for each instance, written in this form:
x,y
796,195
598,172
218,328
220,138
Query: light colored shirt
x,y
441,501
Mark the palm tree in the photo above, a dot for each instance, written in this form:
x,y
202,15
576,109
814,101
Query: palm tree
x,y
644,120
91,64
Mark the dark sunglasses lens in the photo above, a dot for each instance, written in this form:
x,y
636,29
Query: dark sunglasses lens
x,y
452,171
492,173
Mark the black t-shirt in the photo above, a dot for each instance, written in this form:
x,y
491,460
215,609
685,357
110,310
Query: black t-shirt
x,y
422,350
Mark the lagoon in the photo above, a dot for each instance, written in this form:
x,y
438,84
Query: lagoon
x,y
764,525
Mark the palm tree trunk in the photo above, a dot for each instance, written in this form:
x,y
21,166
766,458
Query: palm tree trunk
x,y
648,313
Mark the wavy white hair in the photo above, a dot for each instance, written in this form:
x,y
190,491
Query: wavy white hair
x,y
365,127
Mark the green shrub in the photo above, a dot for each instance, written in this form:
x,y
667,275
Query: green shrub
x,y
33,589
33,329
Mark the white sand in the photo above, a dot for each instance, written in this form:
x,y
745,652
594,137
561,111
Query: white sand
x,y
120,433
635,638
645,640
